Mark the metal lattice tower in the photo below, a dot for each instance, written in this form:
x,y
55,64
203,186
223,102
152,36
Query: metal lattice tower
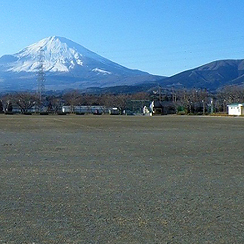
x,y
41,76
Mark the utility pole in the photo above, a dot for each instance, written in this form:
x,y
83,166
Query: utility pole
x,y
173,94
212,108
203,106
159,93
40,77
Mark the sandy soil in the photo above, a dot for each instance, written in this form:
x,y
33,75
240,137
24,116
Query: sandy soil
x,y
115,179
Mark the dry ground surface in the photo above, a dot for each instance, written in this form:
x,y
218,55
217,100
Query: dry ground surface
x,y
115,179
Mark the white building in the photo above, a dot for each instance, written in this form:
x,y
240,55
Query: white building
x,y
236,109
84,109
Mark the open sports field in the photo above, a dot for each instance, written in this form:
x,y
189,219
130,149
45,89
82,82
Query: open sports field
x,y
121,179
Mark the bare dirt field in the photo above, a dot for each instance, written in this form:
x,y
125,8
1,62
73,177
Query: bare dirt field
x,y
121,179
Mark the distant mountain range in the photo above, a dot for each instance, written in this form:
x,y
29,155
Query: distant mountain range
x,y
68,65
211,76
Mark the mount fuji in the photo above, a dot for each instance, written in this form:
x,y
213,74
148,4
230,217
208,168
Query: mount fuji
x,y
67,65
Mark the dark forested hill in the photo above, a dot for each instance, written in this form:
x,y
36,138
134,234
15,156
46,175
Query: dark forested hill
x,y
211,76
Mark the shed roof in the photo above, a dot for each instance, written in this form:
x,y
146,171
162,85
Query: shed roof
x,y
235,104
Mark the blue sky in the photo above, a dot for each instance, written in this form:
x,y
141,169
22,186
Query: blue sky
x,y
161,37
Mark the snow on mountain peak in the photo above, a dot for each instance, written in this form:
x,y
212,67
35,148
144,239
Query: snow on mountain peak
x,y
59,55
66,65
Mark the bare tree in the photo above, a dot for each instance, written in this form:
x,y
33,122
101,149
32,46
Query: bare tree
x,y
1,106
25,101
72,98
229,94
54,103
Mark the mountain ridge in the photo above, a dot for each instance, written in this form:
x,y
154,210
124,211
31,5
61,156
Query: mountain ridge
x,y
212,75
67,65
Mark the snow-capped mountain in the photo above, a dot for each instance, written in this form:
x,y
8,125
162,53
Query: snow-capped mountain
x,y
60,55
66,65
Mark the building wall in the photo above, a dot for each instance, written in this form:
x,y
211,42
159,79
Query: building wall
x,y
83,109
242,110
235,109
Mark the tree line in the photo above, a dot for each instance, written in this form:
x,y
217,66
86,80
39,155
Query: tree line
x,y
53,103
185,100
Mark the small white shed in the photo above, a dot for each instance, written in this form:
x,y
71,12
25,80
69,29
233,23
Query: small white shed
x,y
236,109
